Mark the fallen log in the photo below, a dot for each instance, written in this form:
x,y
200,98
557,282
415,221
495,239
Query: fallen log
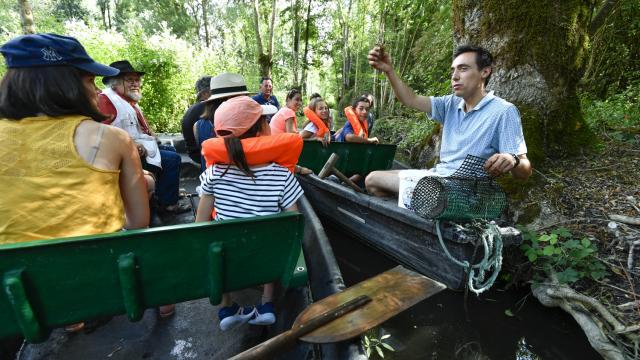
x,y
625,219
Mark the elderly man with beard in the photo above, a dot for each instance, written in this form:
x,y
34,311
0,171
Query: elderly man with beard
x,y
120,100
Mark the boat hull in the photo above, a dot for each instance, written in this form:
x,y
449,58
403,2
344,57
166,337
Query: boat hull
x,y
398,233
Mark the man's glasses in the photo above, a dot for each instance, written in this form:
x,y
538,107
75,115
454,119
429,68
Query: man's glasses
x,y
133,81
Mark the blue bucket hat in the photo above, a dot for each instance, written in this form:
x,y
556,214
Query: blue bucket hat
x,y
51,50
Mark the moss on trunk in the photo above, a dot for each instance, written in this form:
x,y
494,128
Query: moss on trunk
x,y
540,52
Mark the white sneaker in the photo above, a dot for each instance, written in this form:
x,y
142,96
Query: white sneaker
x,y
234,315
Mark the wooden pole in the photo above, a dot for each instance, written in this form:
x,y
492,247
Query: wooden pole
x,y
329,168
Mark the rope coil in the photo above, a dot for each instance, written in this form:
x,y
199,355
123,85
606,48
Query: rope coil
x,y
492,259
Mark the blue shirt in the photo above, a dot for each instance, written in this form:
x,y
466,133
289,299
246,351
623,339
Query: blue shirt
x,y
346,130
259,98
205,131
492,126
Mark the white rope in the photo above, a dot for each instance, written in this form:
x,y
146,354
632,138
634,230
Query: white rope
x,y
492,259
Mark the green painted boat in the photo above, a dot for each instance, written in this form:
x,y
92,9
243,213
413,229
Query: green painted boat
x,y
47,284
398,233
354,158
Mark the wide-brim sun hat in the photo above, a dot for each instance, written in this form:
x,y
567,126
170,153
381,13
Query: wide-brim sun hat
x,y
38,50
125,67
227,85
237,115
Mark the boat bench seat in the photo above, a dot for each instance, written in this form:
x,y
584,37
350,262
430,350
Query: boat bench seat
x,y
50,283
354,158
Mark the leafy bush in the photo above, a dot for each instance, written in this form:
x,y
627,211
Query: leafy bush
x,y
619,112
560,254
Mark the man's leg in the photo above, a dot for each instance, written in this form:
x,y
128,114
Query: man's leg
x,y
383,183
169,180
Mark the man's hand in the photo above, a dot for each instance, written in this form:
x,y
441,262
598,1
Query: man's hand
x,y
373,140
499,164
379,59
141,151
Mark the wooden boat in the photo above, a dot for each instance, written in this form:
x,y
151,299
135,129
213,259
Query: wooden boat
x,y
398,233
48,284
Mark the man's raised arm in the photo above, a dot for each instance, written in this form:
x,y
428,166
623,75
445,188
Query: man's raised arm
x,y
381,60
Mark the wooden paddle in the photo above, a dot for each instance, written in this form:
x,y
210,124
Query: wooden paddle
x,y
351,312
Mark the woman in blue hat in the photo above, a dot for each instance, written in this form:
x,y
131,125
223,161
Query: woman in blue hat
x,y
62,172
66,173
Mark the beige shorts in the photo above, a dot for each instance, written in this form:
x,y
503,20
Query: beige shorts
x,y
408,181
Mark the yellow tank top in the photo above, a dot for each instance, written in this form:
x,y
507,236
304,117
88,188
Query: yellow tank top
x,y
47,189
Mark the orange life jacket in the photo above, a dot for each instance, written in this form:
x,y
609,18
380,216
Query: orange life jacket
x,y
358,127
315,119
283,149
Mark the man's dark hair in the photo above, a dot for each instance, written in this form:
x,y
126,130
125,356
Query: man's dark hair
x,y
262,79
203,84
49,90
359,99
483,57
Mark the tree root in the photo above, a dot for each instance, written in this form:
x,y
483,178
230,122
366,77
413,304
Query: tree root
x,y
608,336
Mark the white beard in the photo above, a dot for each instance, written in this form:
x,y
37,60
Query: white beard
x,y
135,96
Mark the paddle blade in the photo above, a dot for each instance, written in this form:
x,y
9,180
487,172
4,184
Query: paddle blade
x,y
391,292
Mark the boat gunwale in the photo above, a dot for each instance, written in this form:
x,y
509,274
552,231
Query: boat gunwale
x,y
451,231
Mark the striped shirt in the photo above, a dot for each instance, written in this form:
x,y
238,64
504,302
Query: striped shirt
x,y
236,195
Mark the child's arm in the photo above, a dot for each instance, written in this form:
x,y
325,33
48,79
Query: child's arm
x,y
205,207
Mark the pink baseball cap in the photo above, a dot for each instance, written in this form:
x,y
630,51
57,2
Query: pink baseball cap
x,y
237,115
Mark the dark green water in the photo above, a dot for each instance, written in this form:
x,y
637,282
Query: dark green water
x,y
437,327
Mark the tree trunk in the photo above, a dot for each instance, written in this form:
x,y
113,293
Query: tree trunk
x,y
265,60
346,54
376,73
539,51
205,22
295,8
28,27
272,26
305,62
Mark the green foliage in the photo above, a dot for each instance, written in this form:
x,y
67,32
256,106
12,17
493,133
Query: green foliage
x,y
614,56
410,131
560,254
373,345
616,114
70,9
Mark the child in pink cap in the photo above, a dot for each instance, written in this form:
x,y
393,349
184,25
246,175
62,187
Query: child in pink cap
x,y
238,190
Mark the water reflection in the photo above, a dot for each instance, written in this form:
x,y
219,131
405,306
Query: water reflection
x,y
437,328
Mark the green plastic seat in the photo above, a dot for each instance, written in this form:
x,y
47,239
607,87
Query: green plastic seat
x,y
354,159
47,284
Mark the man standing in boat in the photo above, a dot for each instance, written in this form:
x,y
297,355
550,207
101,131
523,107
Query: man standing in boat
x,y
474,121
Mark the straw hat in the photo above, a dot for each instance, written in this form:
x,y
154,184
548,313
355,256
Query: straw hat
x,y
226,85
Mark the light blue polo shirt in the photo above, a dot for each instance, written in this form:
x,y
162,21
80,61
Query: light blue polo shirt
x,y
492,126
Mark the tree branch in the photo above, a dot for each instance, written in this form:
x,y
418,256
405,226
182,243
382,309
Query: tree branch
x,y
601,16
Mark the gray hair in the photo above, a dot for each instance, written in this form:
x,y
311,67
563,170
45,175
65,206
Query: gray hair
x,y
112,82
